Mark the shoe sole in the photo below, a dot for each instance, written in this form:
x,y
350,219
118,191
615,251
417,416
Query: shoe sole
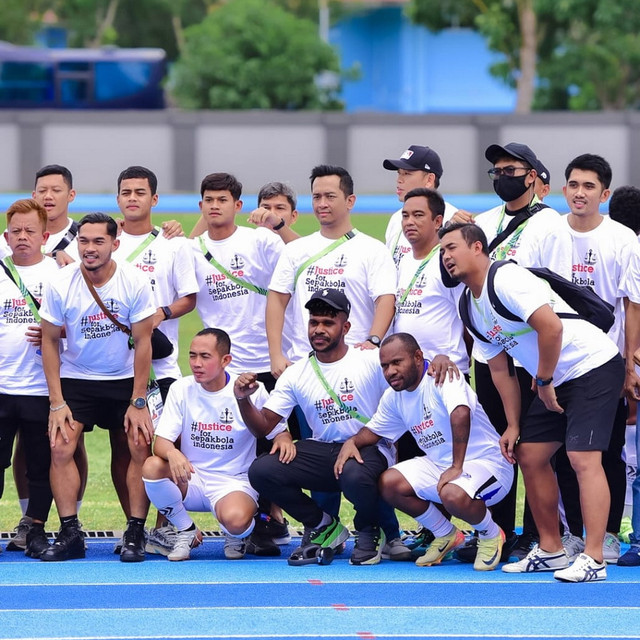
x,y
72,556
197,541
131,557
12,546
450,548
156,549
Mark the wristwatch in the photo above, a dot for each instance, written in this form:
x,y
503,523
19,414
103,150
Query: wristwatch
x,y
167,312
374,340
543,382
138,403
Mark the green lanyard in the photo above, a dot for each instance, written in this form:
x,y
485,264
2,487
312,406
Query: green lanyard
x,y
501,251
416,275
33,306
221,269
324,252
352,412
508,334
144,244
395,244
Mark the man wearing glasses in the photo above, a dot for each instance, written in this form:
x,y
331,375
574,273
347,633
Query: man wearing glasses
x,y
529,232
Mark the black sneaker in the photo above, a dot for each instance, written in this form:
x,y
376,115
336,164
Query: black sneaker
x,y
68,545
467,552
520,547
37,541
133,544
260,545
268,527
368,547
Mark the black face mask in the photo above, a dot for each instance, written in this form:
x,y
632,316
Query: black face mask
x,y
510,188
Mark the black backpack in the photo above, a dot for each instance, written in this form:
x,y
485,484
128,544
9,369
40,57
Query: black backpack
x,y
588,305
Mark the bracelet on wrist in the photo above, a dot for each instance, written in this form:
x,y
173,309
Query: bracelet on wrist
x,y
279,225
60,406
238,399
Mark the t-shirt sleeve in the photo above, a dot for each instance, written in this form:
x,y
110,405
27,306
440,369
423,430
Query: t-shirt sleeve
x,y
282,398
143,305
382,275
184,271
260,398
454,393
283,279
170,424
51,306
388,421
520,291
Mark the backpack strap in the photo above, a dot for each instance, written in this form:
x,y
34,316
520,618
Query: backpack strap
x,y
496,303
463,307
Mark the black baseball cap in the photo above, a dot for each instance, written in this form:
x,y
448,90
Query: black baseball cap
x,y
331,297
543,173
514,149
417,158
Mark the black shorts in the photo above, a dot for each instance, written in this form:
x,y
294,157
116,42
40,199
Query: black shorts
x,y
98,402
589,402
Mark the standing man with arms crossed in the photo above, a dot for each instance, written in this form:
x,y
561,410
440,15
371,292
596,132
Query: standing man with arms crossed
x,y
98,379
578,376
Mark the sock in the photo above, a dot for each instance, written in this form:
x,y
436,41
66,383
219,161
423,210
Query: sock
x,y
326,519
487,528
136,522
433,520
167,498
24,503
242,535
69,521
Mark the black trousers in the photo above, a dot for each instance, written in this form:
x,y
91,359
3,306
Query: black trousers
x,y
312,468
30,415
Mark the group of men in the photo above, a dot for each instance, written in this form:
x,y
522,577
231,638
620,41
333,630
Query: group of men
x,y
388,362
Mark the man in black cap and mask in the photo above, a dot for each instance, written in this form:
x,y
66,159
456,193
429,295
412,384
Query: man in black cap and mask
x,y
529,232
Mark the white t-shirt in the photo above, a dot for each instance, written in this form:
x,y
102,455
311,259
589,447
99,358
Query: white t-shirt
x,y
249,254
430,311
356,379
214,438
600,257
361,268
96,348
71,249
397,244
22,373
168,266
584,346
543,242
630,286
425,413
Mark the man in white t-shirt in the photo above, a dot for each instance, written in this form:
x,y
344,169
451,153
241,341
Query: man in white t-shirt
x,y
208,470
418,167
98,379
339,257
337,387
529,232
601,253
578,374
461,466
24,402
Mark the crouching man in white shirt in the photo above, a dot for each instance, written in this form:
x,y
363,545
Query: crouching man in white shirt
x,y
208,470
462,468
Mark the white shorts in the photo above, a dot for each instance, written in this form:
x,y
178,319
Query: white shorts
x,y
488,480
205,490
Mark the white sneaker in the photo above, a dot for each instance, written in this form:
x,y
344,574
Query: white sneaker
x,y
584,569
611,548
573,545
538,560
161,540
185,541
234,548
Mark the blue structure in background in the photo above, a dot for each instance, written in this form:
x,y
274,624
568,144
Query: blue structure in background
x,y
404,68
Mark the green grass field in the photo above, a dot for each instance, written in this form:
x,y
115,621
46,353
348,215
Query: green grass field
x,y
100,508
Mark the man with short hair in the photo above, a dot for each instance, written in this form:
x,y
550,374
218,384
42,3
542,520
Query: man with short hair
x,y
578,373
461,467
98,379
419,167
24,402
338,387
529,232
337,256
276,210
207,471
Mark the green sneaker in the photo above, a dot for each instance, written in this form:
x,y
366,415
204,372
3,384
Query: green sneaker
x,y
329,538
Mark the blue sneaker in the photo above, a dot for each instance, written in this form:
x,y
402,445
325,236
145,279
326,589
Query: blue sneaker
x,y
631,558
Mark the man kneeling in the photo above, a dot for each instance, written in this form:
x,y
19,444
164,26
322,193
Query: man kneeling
x,y
462,468
208,472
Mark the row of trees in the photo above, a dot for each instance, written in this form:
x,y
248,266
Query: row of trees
x,y
559,54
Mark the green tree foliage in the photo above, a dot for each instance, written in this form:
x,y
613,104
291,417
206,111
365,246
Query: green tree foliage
x,y
586,52
251,54
20,20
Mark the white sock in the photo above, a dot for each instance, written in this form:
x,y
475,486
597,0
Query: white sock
x,y
487,528
433,520
167,499
24,503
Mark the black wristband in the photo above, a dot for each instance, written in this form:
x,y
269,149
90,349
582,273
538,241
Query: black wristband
x,y
279,225
167,312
